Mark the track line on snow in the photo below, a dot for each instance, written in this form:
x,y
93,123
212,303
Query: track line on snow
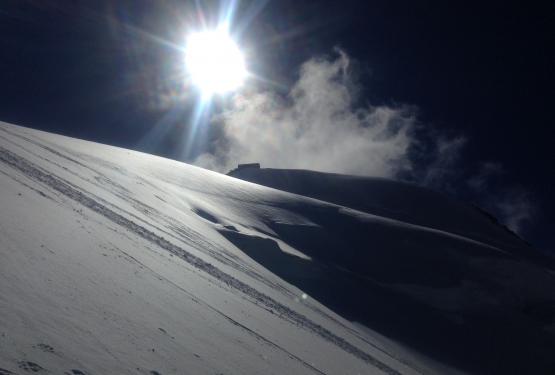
x,y
185,234
33,171
231,320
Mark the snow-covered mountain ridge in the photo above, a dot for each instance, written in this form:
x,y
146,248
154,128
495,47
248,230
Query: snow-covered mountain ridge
x,y
397,200
116,261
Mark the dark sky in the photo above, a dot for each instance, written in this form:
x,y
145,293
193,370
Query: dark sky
x,y
98,70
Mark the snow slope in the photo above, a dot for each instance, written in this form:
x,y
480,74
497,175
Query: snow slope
x,y
392,199
114,261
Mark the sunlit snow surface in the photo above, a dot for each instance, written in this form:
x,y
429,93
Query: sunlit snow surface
x,y
114,261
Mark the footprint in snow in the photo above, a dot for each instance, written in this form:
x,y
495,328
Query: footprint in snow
x,y
30,366
6,372
45,348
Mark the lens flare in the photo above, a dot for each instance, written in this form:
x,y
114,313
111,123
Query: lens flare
x,y
214,61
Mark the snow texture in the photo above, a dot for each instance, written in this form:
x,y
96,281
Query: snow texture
x,y
115,261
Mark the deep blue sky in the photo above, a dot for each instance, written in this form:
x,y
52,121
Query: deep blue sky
x,y
484,70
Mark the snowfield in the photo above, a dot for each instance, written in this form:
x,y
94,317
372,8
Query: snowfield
x,y
119,262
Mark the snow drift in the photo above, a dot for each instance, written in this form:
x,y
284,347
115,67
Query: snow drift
x,y
114,261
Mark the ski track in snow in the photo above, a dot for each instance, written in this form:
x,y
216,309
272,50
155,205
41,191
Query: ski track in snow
x,y
188,236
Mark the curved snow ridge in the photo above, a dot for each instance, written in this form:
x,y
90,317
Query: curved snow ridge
x,y
34,172
370,218
403,201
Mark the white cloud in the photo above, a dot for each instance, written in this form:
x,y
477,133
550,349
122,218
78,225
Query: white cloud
x,y
442,170
319,127
316,127
488,170
515,208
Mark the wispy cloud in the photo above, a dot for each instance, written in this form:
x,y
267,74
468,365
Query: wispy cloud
x,y
516,208
488,170
513,206
318,126
441,172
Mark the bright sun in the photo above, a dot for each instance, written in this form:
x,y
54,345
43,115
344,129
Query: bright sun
x,y
214,61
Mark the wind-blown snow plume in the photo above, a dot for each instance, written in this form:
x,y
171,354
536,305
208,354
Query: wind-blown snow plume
x,y
440,172
317,127
513,206
320,127
516,209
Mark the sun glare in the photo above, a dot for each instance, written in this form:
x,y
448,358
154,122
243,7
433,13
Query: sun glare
x,y
214,61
